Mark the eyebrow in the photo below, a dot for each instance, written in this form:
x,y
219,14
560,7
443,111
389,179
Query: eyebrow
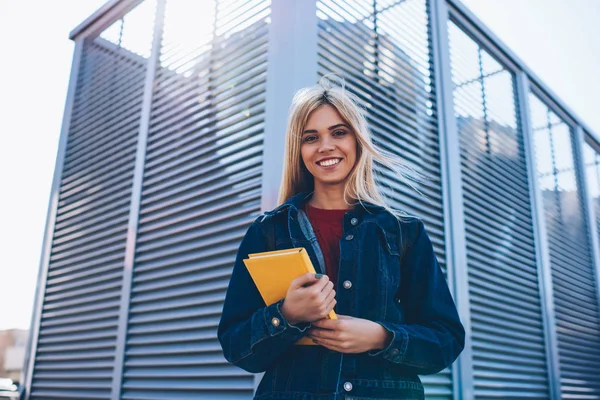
x,y
330,128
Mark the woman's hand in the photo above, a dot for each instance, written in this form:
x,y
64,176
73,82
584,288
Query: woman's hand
x,y
349,334
309,298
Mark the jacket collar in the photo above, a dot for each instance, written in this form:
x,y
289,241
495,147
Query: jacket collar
x,y
299,199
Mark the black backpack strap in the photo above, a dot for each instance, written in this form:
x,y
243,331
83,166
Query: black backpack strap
x,y
270,232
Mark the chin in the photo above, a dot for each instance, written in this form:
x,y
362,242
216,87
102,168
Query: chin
x,y
332,181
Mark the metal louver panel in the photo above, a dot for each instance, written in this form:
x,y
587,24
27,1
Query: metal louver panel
x,y
591,158
573,278
382,49
201,190
509,355
76,342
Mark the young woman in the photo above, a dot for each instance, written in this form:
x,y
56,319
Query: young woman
x,y
376,269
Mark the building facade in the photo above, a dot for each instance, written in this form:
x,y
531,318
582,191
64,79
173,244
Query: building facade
x,y
171,145
13,343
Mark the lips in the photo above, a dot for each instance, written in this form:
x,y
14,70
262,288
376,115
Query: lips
x,y
329,162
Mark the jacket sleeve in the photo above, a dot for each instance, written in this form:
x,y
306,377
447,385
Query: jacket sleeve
x,y
433,336
251,334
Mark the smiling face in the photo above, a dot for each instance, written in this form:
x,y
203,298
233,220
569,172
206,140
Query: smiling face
x,y
328,148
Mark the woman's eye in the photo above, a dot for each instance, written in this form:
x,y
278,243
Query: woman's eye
x,y
308,139
339,133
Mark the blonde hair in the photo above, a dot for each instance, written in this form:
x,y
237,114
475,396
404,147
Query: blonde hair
x,y
360,184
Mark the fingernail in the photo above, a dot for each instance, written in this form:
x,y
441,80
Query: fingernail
x,y
318,276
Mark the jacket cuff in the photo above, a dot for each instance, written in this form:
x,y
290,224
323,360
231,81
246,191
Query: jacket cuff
x,y
276,323
396,350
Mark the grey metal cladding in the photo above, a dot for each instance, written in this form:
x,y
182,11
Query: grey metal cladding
x,y
591,159
201,190
75,351
573,275
506,311
382,50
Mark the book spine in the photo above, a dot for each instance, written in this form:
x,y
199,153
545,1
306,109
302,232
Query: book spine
x,y
307,262
311,268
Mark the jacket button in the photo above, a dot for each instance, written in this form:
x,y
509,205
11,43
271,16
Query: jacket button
x,y
354,221
349,237
347,284
347,386
394,352
275,322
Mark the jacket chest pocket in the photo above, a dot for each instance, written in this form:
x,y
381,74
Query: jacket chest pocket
x,y
380,270
389,259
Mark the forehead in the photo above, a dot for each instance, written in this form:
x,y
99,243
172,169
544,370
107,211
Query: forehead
x,y
324,115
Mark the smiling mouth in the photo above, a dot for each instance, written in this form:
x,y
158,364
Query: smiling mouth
x,y
330,162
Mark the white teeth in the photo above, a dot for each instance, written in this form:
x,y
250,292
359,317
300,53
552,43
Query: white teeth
x,y
328,163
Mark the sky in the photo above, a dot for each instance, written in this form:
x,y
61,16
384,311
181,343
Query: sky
x,y
555,38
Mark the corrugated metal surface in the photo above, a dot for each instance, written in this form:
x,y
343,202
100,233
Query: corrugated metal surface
x,y
509,359
382,49
591,158
576,300
201,190
76,343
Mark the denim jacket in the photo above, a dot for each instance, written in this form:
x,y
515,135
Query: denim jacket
x,y
392,277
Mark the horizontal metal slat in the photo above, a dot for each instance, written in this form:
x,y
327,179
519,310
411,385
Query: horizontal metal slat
x,y
245,183
414,112
224,370
123,145
95,234
249,151
79,182
199,299
58,302
80,283
215,221
203,120
174,93
84,219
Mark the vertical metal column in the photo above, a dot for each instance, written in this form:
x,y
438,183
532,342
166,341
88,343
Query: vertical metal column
x,y
51,219
456,244
542,253
136,195
588,205
291,65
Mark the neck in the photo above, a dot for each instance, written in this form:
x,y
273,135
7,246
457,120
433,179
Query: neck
x,y
329,199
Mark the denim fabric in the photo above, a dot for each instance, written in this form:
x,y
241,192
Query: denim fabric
x,y
396,282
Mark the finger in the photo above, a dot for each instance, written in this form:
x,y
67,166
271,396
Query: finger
x,y
331,305
344,316
325,323
316,289
307,279
329,345
317,323
330,294
327,300
320,283
327,288
313,331
324,334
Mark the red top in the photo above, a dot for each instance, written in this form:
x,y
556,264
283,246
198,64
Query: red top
x,y
329,227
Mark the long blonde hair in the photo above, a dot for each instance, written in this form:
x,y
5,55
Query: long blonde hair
x,y
360,184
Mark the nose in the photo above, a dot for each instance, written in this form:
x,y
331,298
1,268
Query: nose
x,y
326,145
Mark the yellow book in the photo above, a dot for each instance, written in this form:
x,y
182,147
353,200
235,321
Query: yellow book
x,y
274,271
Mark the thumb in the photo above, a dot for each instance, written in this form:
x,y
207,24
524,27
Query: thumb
x,y
306,280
